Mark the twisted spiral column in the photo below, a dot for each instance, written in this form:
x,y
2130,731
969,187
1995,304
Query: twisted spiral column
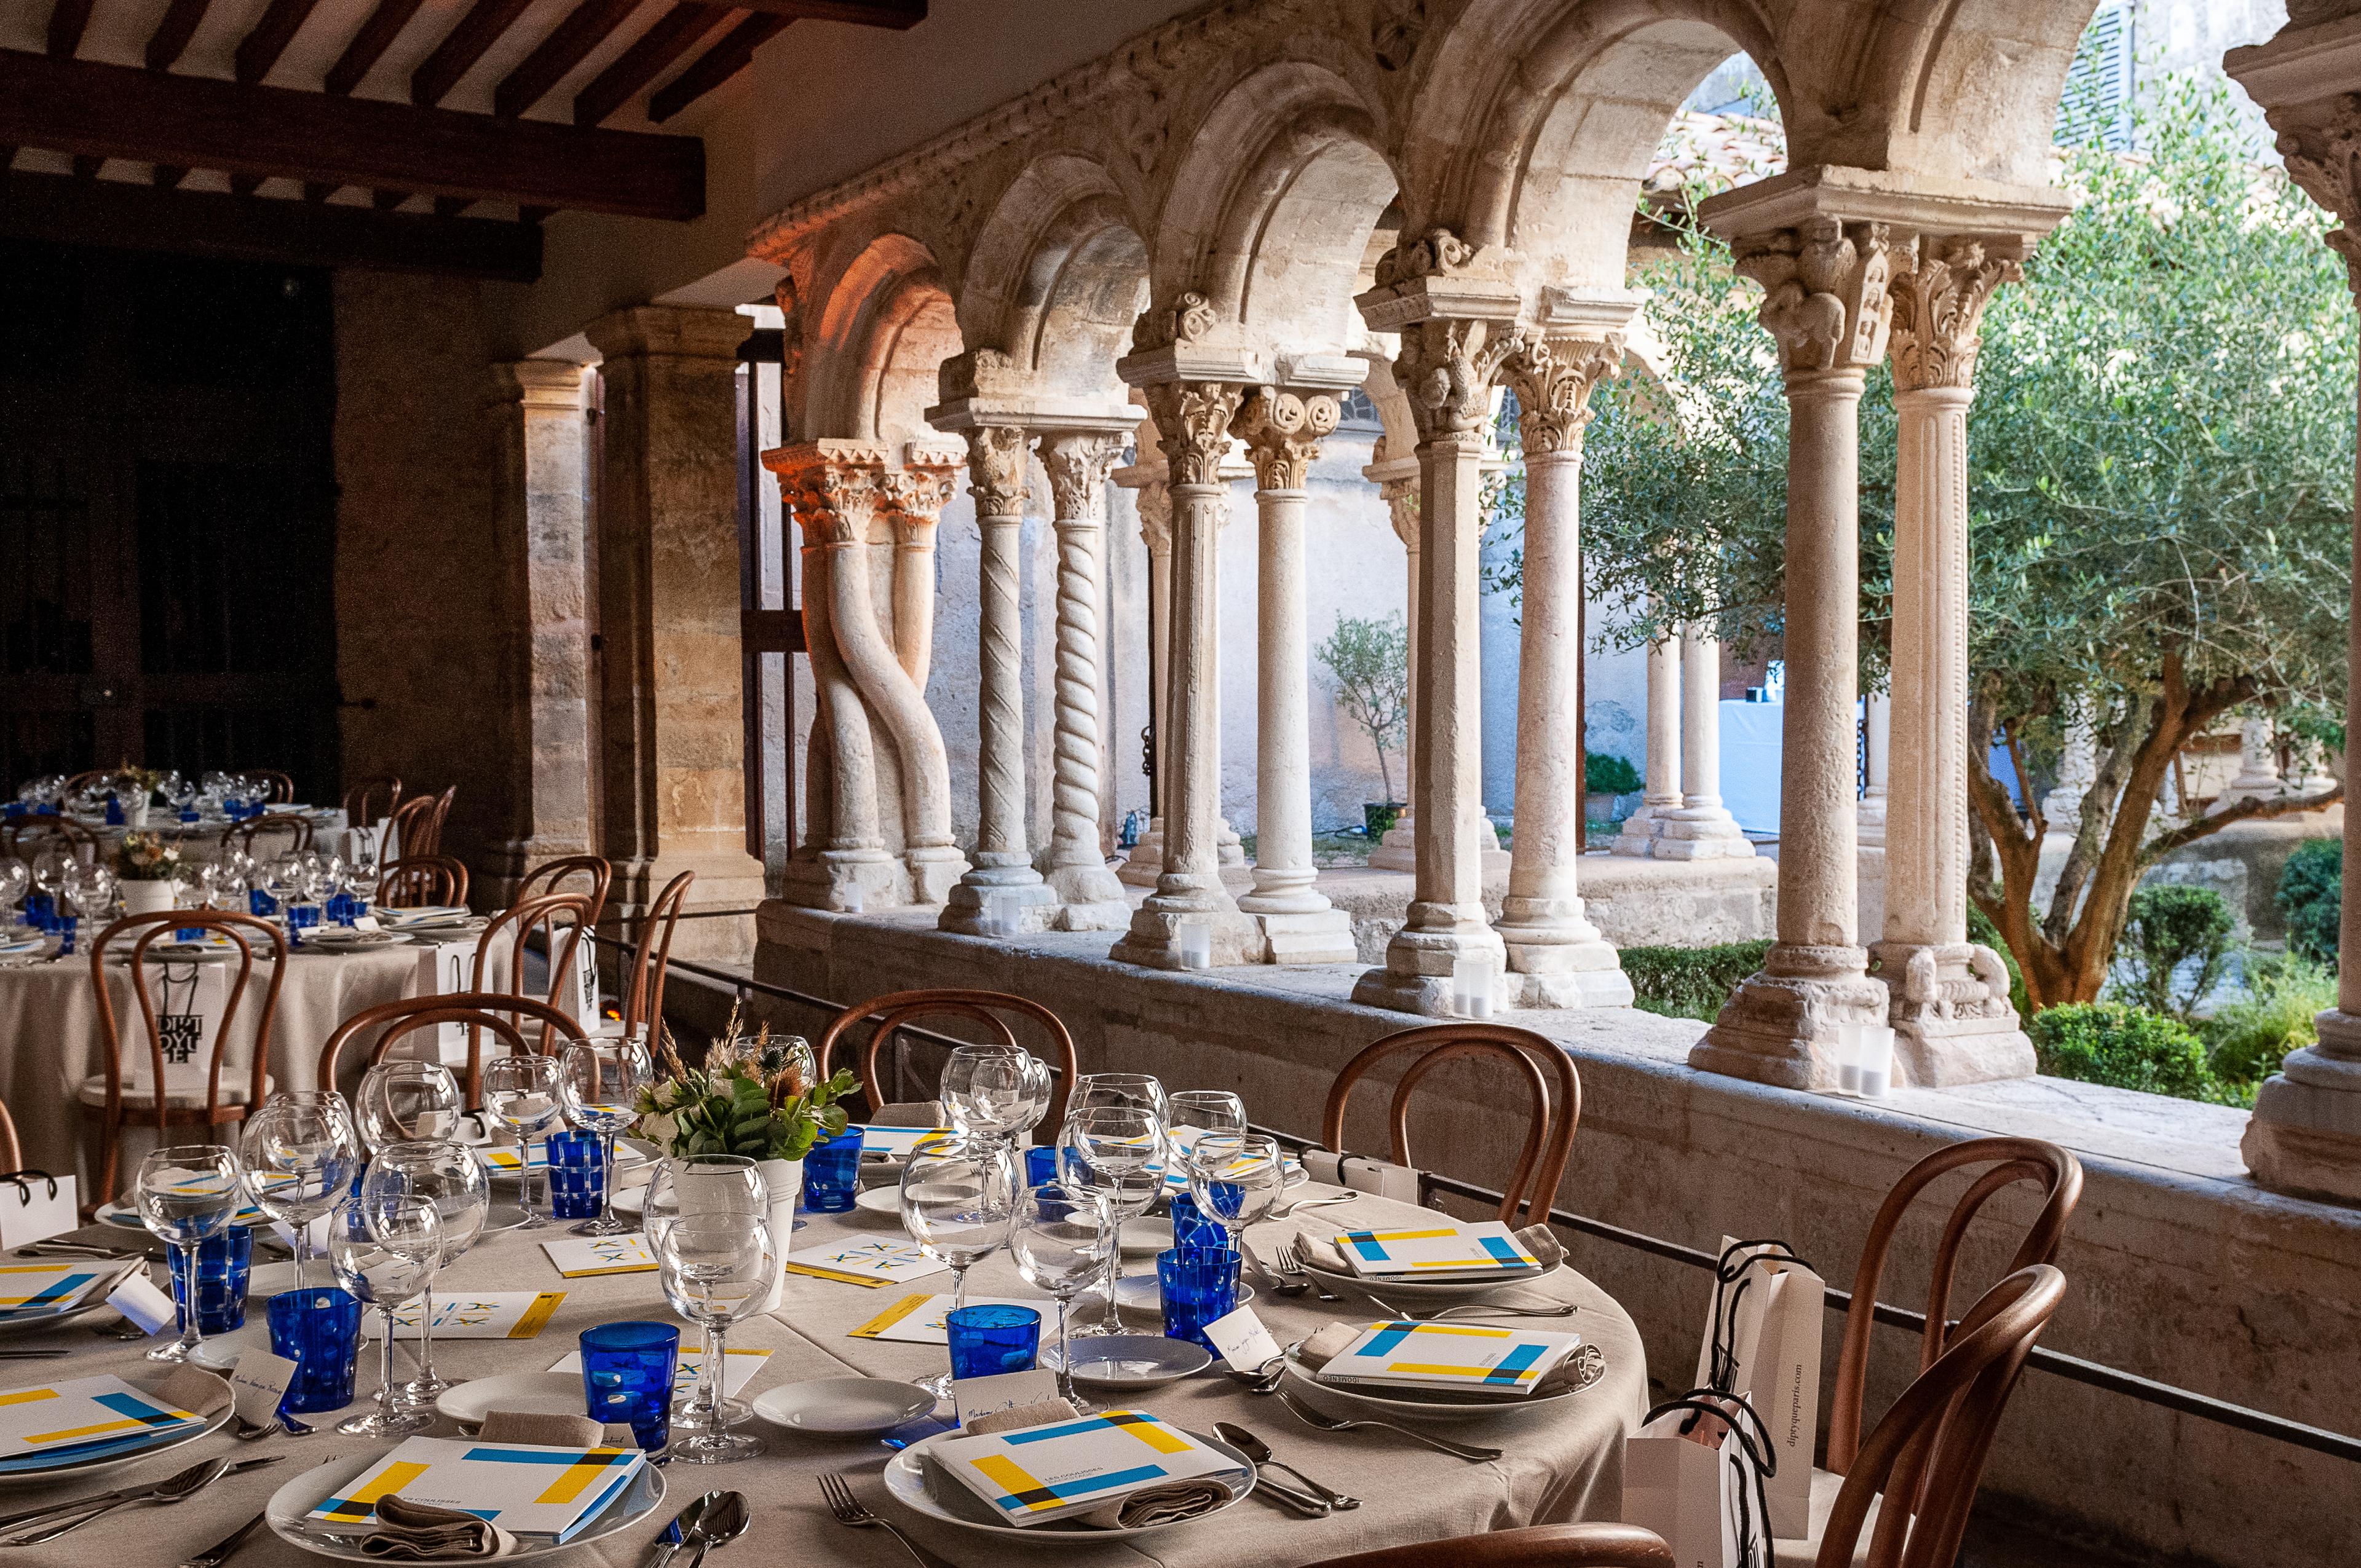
x,y
1077,464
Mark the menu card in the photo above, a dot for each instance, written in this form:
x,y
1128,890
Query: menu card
x,y
925,1320
864,1260
486,1314
1036,1475
524,1488
41,1289
578,1257
80,1419
1464,1357
1486,1251
896,1143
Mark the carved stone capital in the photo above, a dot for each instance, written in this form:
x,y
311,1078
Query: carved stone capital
x,y
978,373
1155,502
835,490
1825,294
1193,426
1282,431
996,461
916,495
1938,307
1187,320
2321,141
1553,378
1400,496
1079,463
1447,367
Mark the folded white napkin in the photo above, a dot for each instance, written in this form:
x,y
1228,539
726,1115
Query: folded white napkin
x,y
420,1532
541,1430
1168,1504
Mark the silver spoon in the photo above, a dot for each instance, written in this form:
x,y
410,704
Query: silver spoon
x,y
1254,1448
720,1525
682,1522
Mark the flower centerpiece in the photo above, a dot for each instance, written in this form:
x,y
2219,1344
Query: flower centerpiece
x,y
148,868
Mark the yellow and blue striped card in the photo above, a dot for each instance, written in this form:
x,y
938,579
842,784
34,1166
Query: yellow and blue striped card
x,y
1445,1251
42,1289
83,1418
523,1488
1036,1475
1470,1358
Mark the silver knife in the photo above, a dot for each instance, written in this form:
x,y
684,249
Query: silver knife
x,y
213,1556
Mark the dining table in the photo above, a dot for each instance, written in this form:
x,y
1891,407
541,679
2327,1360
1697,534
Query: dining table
x,y
1557,1464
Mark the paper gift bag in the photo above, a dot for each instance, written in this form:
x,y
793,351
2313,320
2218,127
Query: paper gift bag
x,y
1375,1177
581,997
1694,1472
1763,1345
35,1206
445,967
189,1000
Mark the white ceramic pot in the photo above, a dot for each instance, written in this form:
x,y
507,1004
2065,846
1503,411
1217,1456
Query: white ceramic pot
x,y
135,816
784,1179
149,897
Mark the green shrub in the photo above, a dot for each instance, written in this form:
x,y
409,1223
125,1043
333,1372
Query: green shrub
x,y
1982,931
2168,928
1691,982
2310,895
2245,1039
1604,772
2106,1042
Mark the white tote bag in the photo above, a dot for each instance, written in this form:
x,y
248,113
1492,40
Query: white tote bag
x,y
1763,1345
35,1206
189,999
443,968
1694,1472
1378,1178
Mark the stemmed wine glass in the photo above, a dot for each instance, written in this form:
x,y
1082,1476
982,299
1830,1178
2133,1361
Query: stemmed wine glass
x,y
188,1194
989,1090
1236,1179
385,1251
1060,1241
90,889
409,1102
959,1197
717,1270
1196,1112
15,878
1113,1152
452,1177
600,1089
699,1187
520,1093
302,1153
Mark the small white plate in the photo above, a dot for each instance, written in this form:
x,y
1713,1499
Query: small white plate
x,y
886,1199
1145,1237
906,1478
537,1393
843,1406
299,1496
219,1352
1130,1361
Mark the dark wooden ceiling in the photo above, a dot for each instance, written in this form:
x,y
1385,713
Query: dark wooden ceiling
x,y
422,162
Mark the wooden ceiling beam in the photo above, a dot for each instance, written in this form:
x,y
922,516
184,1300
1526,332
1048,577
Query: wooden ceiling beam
x,y
85,108
68,21
895,14
261,50
207,223
461,48
674,34
716,65
375,36
590,24
170,38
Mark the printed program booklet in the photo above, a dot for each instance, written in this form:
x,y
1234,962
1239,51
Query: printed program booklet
x,y
80,1419
1486,1251
1461,1358
1036,1475
523,1488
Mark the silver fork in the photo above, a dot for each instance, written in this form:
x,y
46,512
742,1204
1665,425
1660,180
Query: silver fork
x,y
1468,1452
1291,1263
1477,1309
837,1492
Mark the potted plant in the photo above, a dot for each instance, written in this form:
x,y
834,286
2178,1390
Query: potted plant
x,y
1370,662
148,871
1606,775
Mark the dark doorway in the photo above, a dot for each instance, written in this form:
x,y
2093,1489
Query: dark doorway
x,y
167,516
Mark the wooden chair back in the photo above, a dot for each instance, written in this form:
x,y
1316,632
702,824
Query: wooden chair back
x,y
1535,1546
414,882
593,872
562,920
1927,1454
21,837
896,1008
643,989
371,799
2055,1171
1536,1059
500,1013
441,816
12,1152
280,787
413,820
142,931
243,834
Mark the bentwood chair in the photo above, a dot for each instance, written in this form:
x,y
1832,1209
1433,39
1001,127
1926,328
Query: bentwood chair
x,y
413,824
285,824
562,920
501,1013
23,838
222,1102
1549,1129
415,881
281,785
371,800
441,816
1535,1546
593,872
651,958
897,1008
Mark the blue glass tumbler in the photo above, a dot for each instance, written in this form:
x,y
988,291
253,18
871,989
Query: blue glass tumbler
x,y
627,1375
1198,1285
832,1173
1191,1230
320,1332
222,1265
577,1175
260,904
1041,1167
989,1340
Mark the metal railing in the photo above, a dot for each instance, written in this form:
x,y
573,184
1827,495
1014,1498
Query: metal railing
x,y
2073,1368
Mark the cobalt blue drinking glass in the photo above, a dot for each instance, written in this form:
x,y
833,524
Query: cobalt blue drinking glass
x,y
989,1340
320,1332
577,1176
1198,1285
1041,1167
223,1265
627,1375
1193,1231
832,1173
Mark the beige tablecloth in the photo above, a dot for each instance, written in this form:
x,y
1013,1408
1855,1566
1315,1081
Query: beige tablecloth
x,y
1557,1468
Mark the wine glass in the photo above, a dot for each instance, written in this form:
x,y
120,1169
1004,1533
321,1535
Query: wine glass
x,y
301,1153
1237,1179
1196,1112
699,1187
1114,1151
188,1194
717,1270
452,1177
959,1196
1120,1089
385,1251
599,1088
520,1093
987,1090
15,877
1061,1239
92,890
409,1102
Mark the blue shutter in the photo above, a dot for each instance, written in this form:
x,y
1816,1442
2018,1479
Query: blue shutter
x,y
2097,102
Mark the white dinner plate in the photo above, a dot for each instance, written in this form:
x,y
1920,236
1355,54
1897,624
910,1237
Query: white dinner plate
x,y
341,939
1143,1293
842,1407
1435,1290
535,1393
886,1199
1130,1362
145,1378
905,1477
1402,1404
299,1496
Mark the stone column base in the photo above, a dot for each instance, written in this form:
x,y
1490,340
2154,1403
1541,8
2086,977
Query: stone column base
x,y
1091,897
1640,830
1419,962
934,872
1232,847
1604,987
1153,941
1306,936
1556,957
1037,906
1871,832
1145,864
827,882
1781,1027
2305,1137
1398,851
1953,1022
1701,833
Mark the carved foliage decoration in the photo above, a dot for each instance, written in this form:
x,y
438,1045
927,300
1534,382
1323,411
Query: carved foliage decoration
x,y
1155,503
916,495
833,494
1282,431
1447,369
1192,425
1825,295
996,460
1938,307
2321,144
1186,320
1553,378
1078,465
1438,253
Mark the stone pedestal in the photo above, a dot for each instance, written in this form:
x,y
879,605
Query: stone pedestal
x,y
2305,1137
1703,829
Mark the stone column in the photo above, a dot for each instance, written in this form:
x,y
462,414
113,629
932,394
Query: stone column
x,y
1827,306
1146,862
1398,851
1661,792
1556,957
1877,748
673,719
2258,766
1078,463
919,494
544,528
1952,1021
2078,768
1703,829
1282,431
2305,1135
913,497
1193,417
998,456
